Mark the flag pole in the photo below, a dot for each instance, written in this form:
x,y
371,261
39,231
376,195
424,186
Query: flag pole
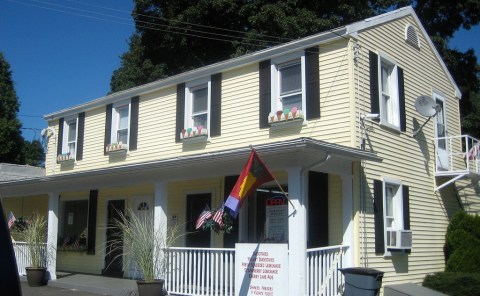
x,y
285,194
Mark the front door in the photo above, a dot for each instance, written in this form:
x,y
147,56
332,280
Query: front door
x,y
196,203
113,256
440,134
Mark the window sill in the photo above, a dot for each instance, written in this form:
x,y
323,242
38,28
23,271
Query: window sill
x,y
65,159
196,139
390,127
116,149
285,124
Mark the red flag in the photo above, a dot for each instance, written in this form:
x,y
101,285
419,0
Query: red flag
x,y
204,216
254,174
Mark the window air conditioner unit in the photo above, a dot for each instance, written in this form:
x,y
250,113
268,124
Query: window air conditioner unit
x,y
399,239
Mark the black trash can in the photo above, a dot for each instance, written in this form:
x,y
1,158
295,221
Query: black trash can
x,y
361,281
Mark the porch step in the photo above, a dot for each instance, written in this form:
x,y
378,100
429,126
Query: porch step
x,y
410,289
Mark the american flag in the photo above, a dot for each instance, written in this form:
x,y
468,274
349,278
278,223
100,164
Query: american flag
x,y
11,220
218,217
204,216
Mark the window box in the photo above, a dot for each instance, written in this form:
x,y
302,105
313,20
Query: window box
x,y
65,158
285,116
116,148
195,134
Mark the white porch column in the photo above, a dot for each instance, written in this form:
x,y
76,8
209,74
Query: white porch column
x,y
347,189
160,211
161,203
297,231
52,234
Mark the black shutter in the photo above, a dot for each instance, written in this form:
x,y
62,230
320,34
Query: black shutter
x,y
216,105
265,93
406,207
317,210
378,216
134,105
60,135
229,239
401,100
180,121
92,221
374,93
80,135
108,127
312,83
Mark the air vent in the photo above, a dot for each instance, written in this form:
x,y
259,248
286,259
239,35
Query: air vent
x,y
411,36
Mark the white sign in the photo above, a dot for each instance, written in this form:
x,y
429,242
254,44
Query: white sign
x,y
276,212
261,269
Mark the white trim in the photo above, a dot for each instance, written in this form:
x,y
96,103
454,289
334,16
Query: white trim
x,y
115,121
410,41
189,88
398,209
393,93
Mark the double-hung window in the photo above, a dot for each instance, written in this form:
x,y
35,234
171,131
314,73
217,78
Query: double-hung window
x,y
69,144
197,106
288,83
121,124
389,106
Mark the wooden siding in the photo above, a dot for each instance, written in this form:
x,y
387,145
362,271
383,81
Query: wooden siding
x,y
411,160
239,119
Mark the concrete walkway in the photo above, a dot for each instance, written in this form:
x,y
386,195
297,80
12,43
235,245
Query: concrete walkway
x,y
82,285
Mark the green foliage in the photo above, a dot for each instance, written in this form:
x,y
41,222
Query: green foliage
x,y
34,153
454,284
34,234
11,141
142,244
461,246
227,226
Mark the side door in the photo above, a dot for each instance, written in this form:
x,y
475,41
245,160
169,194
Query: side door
x,y
441,134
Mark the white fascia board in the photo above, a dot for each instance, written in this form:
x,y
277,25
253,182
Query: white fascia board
x,y
255,57
354,28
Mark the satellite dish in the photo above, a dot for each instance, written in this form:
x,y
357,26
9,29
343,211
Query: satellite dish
x,y
426,106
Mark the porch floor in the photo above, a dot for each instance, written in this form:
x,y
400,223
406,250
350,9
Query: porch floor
x,y
94,284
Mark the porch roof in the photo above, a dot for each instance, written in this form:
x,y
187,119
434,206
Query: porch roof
x,y
304,152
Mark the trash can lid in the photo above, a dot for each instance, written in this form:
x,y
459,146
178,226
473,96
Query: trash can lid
x,y
361,270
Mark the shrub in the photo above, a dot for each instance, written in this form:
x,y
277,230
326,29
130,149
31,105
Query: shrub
x,y
461,245
454,283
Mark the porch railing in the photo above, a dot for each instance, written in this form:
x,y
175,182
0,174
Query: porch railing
x,y
323,277
205,271
22,257
200,271
457,155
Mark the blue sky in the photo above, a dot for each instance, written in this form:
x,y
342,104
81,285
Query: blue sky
x,y
63,52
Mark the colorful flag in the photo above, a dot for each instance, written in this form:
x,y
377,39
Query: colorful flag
x,y
11,220
218,217
254,174
204,216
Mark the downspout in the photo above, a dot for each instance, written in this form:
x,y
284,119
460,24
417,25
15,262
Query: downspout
x,y
45,133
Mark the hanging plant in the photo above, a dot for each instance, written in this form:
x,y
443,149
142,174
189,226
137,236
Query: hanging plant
x,y
226,224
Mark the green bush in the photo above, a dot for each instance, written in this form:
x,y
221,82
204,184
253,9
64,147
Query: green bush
x,y
454,283
462,253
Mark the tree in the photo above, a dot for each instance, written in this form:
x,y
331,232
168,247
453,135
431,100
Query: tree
x,y
34,153
11,141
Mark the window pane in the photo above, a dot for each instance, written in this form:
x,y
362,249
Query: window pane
x,y
290,78
122,136
200,100
72,131
200,119
385,79
123,118
71,148
292,101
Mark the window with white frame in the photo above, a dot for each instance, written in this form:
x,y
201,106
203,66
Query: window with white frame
x,y
120,124
393,209
69,145
288,84
389,101
197,106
